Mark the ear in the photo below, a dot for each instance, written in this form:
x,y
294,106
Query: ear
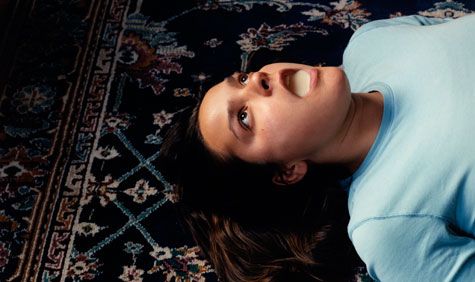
x,y
290,173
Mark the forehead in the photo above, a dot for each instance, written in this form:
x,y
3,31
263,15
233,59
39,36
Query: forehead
x,y
213,119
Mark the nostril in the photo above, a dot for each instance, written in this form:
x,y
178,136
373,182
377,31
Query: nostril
x,y
264,84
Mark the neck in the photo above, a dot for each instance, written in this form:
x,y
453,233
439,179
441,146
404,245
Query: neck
x,y
358,133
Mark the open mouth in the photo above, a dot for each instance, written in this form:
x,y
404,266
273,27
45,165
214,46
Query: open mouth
x,y
297,81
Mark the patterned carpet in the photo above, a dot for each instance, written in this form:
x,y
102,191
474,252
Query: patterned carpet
x,y
91,87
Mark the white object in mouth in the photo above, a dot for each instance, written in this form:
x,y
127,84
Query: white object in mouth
x,y
299,83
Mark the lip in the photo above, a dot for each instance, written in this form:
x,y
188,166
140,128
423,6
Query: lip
x,y
313,72
313,79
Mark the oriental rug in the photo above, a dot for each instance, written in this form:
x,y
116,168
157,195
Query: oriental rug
x,y
89,87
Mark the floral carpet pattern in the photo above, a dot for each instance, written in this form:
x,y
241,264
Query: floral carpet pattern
x,y
93,87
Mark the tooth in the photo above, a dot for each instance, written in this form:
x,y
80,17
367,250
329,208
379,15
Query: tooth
x,y
299,83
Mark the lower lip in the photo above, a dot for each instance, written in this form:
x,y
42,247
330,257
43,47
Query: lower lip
x,y
313,79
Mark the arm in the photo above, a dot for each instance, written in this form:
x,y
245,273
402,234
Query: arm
x,y
416,248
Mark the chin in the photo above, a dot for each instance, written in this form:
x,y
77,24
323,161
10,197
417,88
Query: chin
x,y
335,79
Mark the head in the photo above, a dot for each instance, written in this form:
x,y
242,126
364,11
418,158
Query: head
x,y
258,118
258,210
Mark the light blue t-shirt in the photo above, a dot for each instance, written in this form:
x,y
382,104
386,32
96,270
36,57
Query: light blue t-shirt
x,y
412,200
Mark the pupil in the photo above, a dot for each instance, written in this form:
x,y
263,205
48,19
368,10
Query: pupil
x,y
243,115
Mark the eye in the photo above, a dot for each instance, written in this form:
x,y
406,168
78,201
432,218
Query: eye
x,y
243,118
243,78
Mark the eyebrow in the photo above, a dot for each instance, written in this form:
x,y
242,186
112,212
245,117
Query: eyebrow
x,y
230,122
231,79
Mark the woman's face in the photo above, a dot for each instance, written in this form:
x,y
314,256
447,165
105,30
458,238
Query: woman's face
x,y
257,118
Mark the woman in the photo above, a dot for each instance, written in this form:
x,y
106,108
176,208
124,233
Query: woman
x,y
394,126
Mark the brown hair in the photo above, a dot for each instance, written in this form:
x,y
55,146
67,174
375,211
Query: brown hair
x,y
249,228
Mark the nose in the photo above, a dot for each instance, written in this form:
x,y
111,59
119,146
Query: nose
x,y
261,83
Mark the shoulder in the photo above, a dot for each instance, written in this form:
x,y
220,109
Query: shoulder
x,y
413,20
391,227
389,244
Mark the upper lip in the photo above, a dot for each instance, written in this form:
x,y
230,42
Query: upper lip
x,y
283,74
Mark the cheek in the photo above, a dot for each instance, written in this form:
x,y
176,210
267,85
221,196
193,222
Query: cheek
x,y
282,132
269,132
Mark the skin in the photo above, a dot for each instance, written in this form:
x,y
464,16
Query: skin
x,y
256,118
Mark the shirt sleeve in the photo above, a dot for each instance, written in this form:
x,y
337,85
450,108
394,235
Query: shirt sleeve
x,y
414,248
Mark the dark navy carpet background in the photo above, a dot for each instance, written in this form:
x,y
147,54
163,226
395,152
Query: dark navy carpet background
x,y
90,89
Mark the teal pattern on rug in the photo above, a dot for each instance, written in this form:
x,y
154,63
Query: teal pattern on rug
x,y
92,88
